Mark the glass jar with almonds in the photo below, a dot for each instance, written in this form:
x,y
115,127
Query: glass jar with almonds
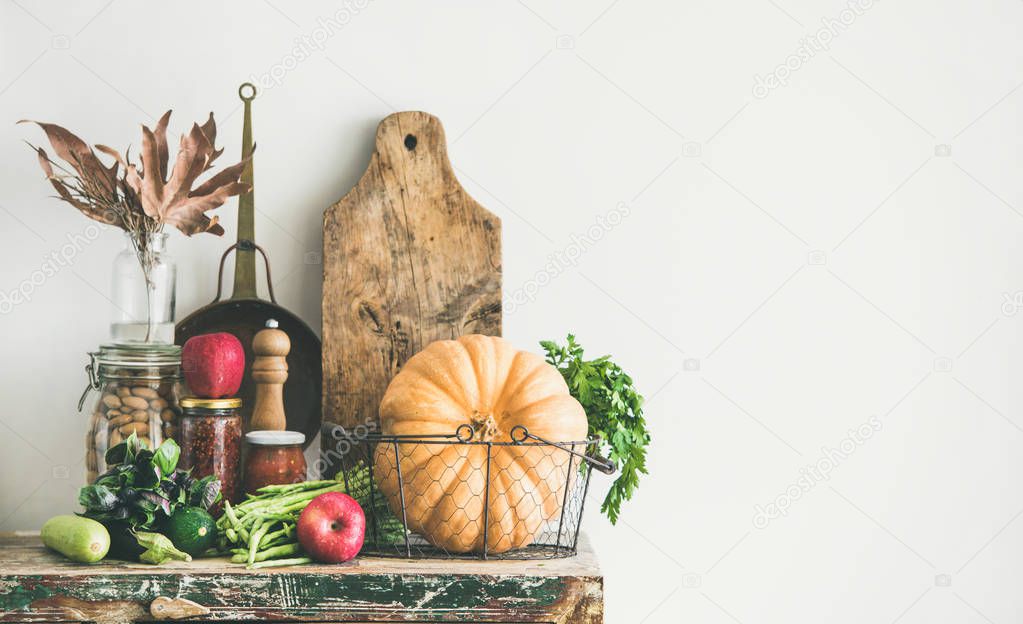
x,y
133,388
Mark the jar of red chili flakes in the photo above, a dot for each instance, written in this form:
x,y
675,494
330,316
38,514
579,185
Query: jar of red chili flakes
x,y
274,458
210,437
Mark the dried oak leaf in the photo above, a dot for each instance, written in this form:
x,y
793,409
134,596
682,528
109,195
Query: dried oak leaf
x,y
131,182
147,188
79,155
107,217
173,200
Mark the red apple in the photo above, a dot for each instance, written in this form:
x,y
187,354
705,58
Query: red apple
x,y
332,527
213,365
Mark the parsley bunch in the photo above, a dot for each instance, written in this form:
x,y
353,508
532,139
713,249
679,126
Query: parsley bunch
x,y
615,413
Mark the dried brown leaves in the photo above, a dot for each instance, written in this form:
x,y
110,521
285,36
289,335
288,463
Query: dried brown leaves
x,y
146,191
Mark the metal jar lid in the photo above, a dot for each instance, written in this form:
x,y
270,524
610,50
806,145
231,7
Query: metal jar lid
x,y
141,354
210,404
131,359
275,438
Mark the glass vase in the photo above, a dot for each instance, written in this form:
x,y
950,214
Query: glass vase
x,y
143,293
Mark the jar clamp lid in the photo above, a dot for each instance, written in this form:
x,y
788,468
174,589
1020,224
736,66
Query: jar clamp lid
x,y
127,356
130,356
275,438
138,354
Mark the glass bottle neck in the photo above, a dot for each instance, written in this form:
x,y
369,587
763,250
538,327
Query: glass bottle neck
x,y
156,241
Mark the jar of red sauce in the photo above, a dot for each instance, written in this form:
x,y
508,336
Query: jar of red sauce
x,y
210,437
274,458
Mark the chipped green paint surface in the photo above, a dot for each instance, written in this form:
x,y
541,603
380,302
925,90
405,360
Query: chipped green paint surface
x,y
38,585
305,595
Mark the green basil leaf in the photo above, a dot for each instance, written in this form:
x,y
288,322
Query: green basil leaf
x,y
97,498
166,456
147,478
116,454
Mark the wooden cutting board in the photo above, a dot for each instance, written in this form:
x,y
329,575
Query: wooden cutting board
x,y
408,258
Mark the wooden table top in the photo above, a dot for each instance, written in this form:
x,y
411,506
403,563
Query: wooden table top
x,y
23,554
37,584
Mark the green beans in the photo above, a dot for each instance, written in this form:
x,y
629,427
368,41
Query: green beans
x,y
268,555
281,562
296,487
257,534
270,537
261,530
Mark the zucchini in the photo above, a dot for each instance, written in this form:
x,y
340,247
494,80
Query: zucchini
x,y
79,539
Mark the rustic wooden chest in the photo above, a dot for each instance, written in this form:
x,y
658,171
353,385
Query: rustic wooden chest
x,y
37,585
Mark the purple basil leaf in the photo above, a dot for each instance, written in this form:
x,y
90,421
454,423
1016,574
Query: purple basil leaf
x,y
205,492
158,500
97,498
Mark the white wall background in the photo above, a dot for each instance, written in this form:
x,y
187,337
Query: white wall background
x,y
791,266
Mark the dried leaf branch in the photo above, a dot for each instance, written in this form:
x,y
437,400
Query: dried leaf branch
x,y
142,198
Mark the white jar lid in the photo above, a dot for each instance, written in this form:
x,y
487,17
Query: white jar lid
x,y
275,438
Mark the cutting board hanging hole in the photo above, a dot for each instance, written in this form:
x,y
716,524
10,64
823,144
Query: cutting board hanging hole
x,y
410,142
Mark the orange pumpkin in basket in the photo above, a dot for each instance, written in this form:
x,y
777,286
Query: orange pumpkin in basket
x,y
487,383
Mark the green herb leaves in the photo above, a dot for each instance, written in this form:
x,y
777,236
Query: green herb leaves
x,y
615,413
166,457
201,493
143,485
97,497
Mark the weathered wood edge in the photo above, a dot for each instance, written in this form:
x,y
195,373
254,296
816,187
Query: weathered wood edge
x,y
453,591
306,597
23,554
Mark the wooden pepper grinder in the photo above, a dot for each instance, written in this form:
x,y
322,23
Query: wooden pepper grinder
x,y
270,347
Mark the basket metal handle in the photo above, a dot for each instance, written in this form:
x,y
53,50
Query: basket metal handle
x,y
464,434
520,434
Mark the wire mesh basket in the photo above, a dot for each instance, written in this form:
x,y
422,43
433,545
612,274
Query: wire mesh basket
x,y
455,496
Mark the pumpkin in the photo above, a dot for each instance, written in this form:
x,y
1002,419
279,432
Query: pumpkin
x,y
484,382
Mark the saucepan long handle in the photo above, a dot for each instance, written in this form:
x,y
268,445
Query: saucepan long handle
x,y
245,262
